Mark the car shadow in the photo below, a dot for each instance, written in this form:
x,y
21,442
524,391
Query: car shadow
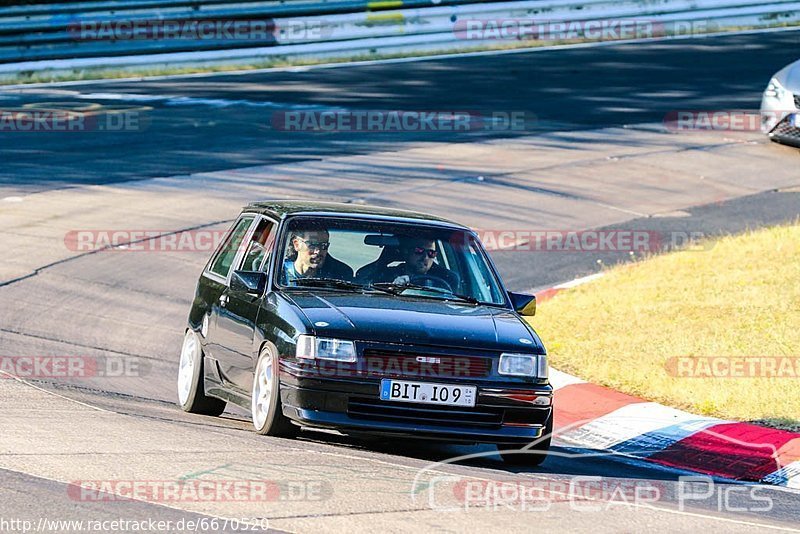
x,y
561,461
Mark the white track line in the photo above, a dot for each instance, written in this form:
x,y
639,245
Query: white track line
x,y
579,281
54,394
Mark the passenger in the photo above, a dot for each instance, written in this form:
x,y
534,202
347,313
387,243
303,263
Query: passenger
x,y
259,247
308,257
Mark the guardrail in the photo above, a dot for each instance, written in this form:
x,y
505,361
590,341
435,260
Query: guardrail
x,y
99,34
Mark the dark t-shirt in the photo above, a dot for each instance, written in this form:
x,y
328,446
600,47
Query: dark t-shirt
x,y
331,268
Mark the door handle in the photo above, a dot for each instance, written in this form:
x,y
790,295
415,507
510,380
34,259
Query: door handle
x,y
223,300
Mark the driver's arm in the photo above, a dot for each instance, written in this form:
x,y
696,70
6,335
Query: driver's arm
x,y
402,280
390,274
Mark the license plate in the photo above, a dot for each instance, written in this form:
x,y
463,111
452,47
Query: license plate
x,y
427,393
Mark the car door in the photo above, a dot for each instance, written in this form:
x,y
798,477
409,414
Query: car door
x,y
237,311
215,279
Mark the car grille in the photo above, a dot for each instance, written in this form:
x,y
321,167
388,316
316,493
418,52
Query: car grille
x,y
797,101
378,410
786,131
403,364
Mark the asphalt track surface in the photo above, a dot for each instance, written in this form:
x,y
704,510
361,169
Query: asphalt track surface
x,y
566,89
224,124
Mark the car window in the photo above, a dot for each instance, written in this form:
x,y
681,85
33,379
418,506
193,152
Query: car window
x,y
348,246
227,252
373,253
259,247
477,277
445,258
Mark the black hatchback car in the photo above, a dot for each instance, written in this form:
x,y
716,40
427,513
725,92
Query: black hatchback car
x,y
365,320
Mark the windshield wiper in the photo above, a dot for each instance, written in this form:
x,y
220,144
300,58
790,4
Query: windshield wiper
x,y
386,287
328,282
397,289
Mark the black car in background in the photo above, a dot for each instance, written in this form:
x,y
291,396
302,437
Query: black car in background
x,y
367,321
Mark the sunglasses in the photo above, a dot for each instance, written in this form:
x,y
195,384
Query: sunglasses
x,y
419,251
320,245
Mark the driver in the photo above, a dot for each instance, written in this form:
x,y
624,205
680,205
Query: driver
x,y
307,257
419,255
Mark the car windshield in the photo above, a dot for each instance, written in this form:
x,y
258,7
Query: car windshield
x,y
418,260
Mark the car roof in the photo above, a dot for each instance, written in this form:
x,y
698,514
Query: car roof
x,y
283,208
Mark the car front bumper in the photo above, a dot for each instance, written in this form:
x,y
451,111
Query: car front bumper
x,y
355,407
777,118
786,132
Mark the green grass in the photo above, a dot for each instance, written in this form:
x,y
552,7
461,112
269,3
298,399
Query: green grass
x,y
283,61
739,297
276,62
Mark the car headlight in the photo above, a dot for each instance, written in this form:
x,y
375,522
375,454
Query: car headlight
x,y
534,365
325,348
775,90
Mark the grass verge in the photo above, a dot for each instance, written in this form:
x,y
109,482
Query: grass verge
x,y
100,73
104,73
673,328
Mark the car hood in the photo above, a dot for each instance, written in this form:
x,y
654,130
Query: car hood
x,y
789,77
419,321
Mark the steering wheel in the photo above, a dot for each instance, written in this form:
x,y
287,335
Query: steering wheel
x,y
434,281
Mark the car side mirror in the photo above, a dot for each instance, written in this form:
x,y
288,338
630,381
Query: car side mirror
x,y
524,304
250,282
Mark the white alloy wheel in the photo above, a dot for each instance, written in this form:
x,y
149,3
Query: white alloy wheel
x,y
186,367
263,385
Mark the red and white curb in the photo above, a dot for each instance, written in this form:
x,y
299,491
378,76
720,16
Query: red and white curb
x,y
550,292
596,418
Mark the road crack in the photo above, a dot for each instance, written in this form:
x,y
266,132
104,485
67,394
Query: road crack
x,y
38,270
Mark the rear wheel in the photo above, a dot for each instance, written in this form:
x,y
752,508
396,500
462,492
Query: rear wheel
x,y
191,390
266,408
525,456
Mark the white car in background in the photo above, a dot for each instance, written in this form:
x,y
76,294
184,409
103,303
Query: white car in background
x,y
780,106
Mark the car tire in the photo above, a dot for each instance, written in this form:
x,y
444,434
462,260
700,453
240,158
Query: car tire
x,y
265,398
191,389
532,456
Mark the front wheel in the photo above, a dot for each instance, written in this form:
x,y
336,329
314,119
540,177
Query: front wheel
x,y
532,456
191,390
265,403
